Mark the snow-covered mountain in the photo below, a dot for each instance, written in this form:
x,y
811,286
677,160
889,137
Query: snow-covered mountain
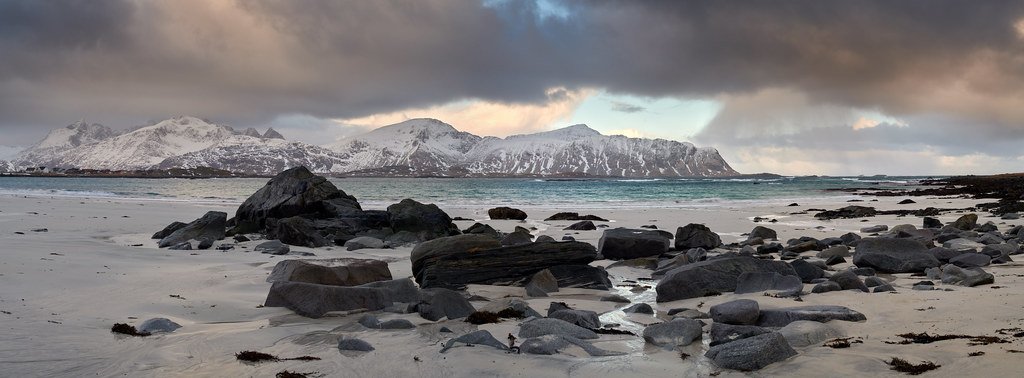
x,y
413,147
61,140
6,166
429,146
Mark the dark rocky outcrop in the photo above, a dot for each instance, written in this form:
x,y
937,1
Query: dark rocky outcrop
x,y
624,243
696,235
751,353
455,261
174,226
294,192
314,300
893,255
713,276
675,333
336,272
208,228
505,212
581,226
426,221
437,303
568,216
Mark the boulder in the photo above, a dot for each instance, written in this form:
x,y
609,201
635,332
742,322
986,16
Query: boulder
x,y
568,216
671,334
639,308
541,284
756,282
971,260
780,317
209,227
480,337
158,325
174,226
315,300
296,231
650,263
425,221
437,303
581,277
966,222
825,287
293,192
624,243
516,304
874,281
552,344
803,333
952,274
838,250
548,326
874,229
363,242
581,226
456,261
893,255
722,333
714,276
943,254
582,318
807,271
696,235
506,213
335,272
751,353
930,222
962,244
740,312
764,233
480,228
848,280
354,345
272,247
183,246
517,238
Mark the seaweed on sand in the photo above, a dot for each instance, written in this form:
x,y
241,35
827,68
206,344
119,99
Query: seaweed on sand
x,y
904,366
126,329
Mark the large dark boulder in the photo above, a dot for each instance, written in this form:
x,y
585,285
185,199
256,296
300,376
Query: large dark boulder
x,y
293,192
506,213
456,261
696,235
570,216
625,243
714,276
296,231
337,272
314,300
675,333
206,229
893,255
437,303
427,221
581,276
581,226
174,226
751,353
756,282
763,233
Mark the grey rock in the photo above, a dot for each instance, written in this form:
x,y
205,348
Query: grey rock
x,y
582,226
313,300
480,337
273,247
692,314
296,231
363,242
209,227
803,333
548,326
614,298
517,304
517,238
639,308
158,325
355,345
825,287
678,332
175,226
437,303
780,317
426,221
930,222
183,246
722,333
642,263
952,274
713,276
624,243
807,271
581,276
848,280
893,255
756,282
552,344
293,192
582,318
541,284
396,324
763,233
752,353
696,235
961,244
337,272
966,222
874,229
971,260
369,321
874,281
504,212
883,288
943,254
480,228
740,312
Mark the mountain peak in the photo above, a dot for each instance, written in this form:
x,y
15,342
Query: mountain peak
x,y
272,134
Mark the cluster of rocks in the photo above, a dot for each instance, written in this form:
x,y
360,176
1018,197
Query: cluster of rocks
x,y
300,208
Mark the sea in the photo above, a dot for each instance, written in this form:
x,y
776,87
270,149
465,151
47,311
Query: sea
x,y
378,193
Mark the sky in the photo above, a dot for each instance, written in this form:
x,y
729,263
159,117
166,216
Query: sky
x,y
923,87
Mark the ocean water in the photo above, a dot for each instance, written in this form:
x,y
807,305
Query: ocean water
x,y
476,192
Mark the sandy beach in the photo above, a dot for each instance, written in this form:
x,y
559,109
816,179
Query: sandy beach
x,y
95,265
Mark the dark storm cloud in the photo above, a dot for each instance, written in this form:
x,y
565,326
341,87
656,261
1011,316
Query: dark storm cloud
x,y
243,62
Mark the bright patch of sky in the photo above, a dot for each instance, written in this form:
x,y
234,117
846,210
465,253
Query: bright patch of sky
x,y
633,116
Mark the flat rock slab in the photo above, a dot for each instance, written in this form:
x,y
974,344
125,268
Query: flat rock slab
x,y
893,255
752,353
713,276
781,317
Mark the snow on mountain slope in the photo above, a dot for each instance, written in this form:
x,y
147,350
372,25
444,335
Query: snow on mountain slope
x,y
6,166
423,144
147,146
258,156
61,140
579,149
